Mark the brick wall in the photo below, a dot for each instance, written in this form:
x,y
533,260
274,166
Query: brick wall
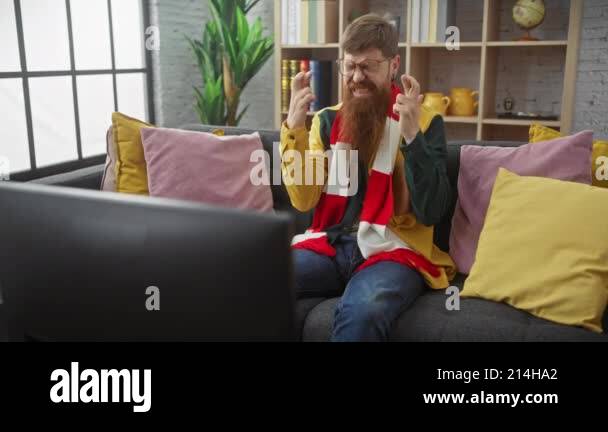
x,y
591,104
534,77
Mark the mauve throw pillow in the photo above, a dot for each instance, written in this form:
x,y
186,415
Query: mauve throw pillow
x,y
566,158
200,166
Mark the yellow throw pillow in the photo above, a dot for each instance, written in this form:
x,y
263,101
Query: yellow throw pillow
x,y
599,158
131,172
539,133
544,249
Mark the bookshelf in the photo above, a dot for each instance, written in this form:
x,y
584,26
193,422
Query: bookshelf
x,y
486,47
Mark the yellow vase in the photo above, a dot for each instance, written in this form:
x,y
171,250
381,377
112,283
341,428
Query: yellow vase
x,y
463,102
437,102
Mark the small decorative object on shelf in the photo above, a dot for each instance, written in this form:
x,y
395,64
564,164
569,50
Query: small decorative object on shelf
x,y
437,102
528,14
527,116
463,102
508,103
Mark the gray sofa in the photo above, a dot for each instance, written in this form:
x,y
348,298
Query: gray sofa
x,y
427,319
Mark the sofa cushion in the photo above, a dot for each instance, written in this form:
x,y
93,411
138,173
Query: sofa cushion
x,y
428,320
564,159
279,193
131,174
599,166
442,230
558,242
201,166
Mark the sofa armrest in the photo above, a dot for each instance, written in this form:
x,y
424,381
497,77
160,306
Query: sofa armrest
x,y
85,178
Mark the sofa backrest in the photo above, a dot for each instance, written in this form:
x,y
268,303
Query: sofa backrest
x,y
281,199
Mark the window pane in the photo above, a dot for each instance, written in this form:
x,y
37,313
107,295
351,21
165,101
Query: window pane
x,y
9,46
13,133
95,105
45,30
132,99
91,30
53,120
127,23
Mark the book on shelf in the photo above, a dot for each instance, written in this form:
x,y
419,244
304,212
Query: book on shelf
x,y
312,22
416,21
430,19
284,22
445,17
304,20
298,21
320,81
288,22
285,85
327,20
432,37
309,21
321,84
294,68
424,20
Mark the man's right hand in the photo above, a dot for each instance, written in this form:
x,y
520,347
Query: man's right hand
x,y
301,97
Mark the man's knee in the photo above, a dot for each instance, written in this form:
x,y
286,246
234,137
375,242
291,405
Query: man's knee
x,y
315,274
367,312
379,299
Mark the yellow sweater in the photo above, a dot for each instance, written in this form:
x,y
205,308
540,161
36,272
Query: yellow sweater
x,y
304,197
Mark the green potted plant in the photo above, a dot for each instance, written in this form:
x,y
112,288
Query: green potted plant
x,y
230,53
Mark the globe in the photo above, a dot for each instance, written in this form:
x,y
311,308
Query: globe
x,y
529,14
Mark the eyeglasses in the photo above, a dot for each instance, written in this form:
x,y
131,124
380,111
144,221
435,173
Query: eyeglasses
x,y
367,67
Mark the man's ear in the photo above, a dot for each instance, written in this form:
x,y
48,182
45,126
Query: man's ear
x,y
395,63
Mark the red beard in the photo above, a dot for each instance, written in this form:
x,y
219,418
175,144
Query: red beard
x,y
363,118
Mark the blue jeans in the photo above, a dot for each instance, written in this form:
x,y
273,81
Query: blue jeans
x,y
372,298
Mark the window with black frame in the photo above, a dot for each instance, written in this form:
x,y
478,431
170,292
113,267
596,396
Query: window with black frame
x,y
66,65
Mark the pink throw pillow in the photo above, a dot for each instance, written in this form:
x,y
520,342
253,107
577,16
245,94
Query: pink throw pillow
x,y
200,166
566,158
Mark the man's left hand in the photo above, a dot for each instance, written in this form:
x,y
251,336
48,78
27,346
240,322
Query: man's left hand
x,y
407,106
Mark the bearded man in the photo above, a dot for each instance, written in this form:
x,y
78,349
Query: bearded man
x,y
374,248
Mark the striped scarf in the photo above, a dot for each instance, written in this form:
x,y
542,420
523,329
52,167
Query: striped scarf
x,y
377,242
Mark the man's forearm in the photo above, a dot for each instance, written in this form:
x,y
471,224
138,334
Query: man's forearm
x,y
401,192
426,173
